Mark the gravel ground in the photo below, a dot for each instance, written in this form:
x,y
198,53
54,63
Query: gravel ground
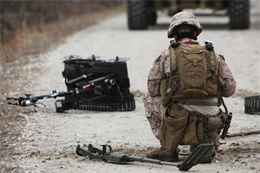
x,y
46,141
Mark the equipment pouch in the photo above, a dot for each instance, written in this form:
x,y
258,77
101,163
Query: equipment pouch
x,y
190,135
212,85
163,89
173,126
193,72
193,134
214,123
167,88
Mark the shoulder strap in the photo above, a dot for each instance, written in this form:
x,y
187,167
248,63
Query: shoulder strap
x,y
173,56
213,63
213,69
173,60
212,56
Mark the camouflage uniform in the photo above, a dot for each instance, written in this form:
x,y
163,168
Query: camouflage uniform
x,y
152,100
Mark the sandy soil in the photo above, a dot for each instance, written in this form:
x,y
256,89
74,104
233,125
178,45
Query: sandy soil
x,y
48,141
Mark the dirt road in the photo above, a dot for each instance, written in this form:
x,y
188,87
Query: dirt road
x,y
49,139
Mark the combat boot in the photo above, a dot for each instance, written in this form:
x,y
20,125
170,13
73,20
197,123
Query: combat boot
x,y
163,154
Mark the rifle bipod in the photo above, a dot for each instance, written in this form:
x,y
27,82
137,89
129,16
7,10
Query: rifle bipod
x,y
189,162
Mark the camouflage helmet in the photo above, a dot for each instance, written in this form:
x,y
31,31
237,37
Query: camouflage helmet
x,y
183,18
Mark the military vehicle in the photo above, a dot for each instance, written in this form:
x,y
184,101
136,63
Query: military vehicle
x,y
141,14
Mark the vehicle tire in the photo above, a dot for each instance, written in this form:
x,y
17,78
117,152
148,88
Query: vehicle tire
x,y
239,14
137,17
152,18
171,13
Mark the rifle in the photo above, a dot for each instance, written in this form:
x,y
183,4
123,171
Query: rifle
x,y
77,88
227,125
189,162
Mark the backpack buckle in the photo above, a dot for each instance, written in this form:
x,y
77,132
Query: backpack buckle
x,y
209,45
174,44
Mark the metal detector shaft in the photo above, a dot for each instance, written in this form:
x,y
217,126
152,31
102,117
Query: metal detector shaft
x,y
142,159
189,162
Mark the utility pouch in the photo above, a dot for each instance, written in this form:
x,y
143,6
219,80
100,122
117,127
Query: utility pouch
x,y
212,85
163,90
193,72
167,88
214,123
173,126
193,134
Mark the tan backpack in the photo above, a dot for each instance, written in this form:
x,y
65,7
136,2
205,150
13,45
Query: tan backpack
x,y
192,74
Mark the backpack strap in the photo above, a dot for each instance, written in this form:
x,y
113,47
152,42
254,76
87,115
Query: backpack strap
x,y
212,56
173,56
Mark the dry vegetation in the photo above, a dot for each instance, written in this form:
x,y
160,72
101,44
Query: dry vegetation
x,y
27,29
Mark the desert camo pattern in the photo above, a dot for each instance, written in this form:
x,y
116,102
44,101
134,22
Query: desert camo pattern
x,y
152,100
184,18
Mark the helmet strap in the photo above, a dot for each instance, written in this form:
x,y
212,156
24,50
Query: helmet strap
x,y
186,35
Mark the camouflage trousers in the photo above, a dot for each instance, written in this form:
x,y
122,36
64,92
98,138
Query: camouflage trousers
x,y
154,113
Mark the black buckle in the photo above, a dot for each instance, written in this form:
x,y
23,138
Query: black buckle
x,y
174,44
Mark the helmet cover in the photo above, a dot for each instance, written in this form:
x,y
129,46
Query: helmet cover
x,y
183,18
